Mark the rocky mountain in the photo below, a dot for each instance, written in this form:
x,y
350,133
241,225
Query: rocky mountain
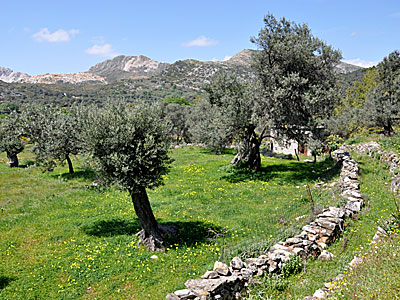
x,y
187,73
133,77
128,67
8,75
66,78
242,58
345,68
193,74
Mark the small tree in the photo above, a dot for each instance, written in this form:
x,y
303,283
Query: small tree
x,y
10,138
130,147
316,145
177,114
349,114
224,114
334,142
54,133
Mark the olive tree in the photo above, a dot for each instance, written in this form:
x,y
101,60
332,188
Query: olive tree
x,y
382,106
296,72
293,91
11,140
130,144
177,114
222,114
54,132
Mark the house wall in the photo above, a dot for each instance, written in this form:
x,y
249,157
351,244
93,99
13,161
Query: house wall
x,y
290,147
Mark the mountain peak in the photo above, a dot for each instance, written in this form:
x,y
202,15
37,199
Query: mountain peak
x,y
132,67
8,75
242,58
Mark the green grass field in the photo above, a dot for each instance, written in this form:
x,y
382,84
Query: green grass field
x,y
375,181
63,239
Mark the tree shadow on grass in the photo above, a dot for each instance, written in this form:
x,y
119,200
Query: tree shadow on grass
x,y
5,281
291,173
230,151
26,164
189,232
87,174
113,227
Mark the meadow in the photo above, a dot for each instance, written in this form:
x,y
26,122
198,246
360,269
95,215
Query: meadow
x,y
377,277
64,238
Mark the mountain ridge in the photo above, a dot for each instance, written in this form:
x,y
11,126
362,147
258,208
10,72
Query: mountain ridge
x,y
186,71
9,76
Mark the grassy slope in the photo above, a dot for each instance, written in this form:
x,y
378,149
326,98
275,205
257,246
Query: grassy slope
x,y
375,180
60,239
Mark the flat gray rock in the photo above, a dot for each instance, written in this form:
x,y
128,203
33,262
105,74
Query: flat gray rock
x,y
236,263
221,268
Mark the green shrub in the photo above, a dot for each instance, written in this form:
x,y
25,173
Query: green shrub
x,y
292,267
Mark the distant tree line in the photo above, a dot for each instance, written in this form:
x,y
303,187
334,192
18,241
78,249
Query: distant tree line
x,y
372,103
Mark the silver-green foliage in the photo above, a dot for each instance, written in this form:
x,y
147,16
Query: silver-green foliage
x,y
10,134
223,114
382,106
129,144
54,132
177,114
296,72
293,91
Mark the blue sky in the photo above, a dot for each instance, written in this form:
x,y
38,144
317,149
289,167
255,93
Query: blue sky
x,y
40,37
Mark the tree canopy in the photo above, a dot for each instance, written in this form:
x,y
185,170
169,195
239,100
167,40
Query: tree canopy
x,y
130,144
382,105
297,77
293,92
54,132
11,140
372,102
223,114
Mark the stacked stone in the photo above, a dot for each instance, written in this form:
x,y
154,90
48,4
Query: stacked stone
x,y
350,186
349,183
373,149
227,282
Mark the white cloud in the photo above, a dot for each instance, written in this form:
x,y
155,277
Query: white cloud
x,y
361,63
227,57
104,50
201,41
60,35
98,39
396,14
353,34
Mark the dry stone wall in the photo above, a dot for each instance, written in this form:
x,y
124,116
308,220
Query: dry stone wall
x,y
227,282
372,149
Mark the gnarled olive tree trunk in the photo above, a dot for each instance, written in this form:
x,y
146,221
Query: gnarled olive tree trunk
x,y
249,153
13,160
388,129
70,167
152,234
